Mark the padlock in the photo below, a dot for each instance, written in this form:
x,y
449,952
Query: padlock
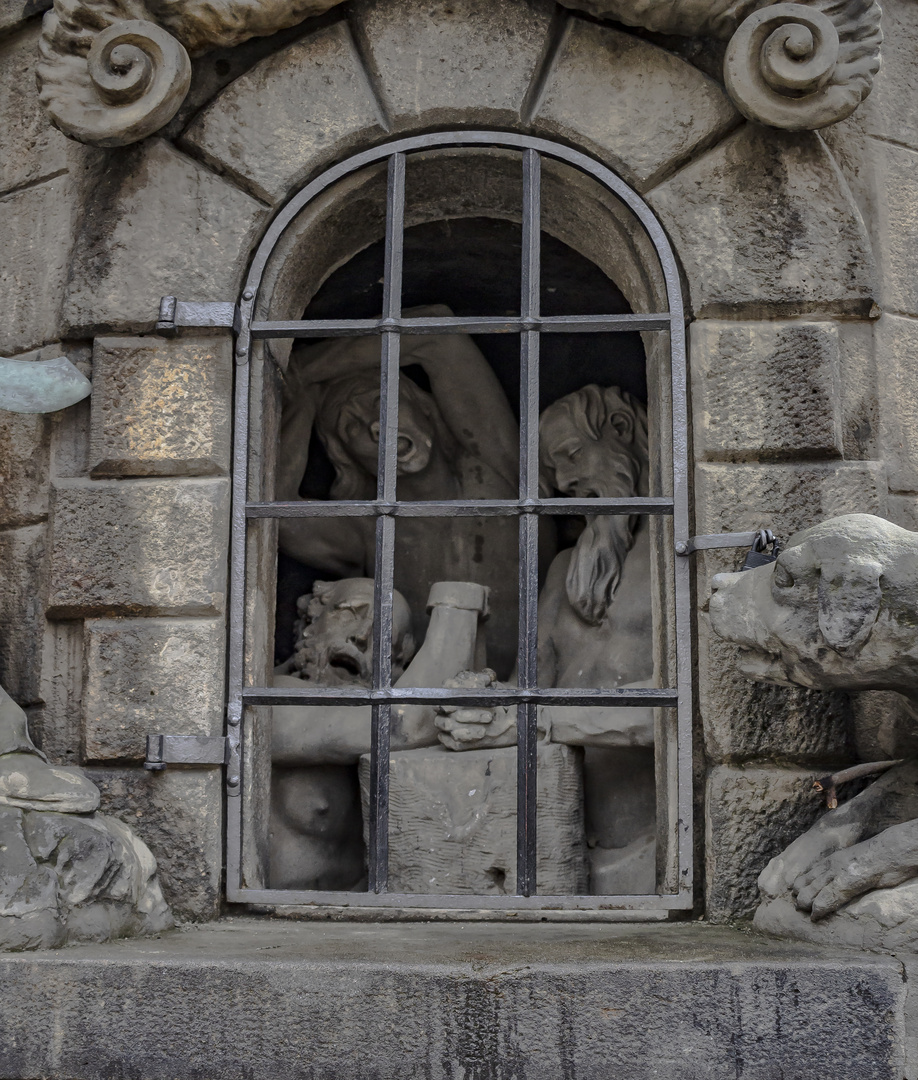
x,y
757,555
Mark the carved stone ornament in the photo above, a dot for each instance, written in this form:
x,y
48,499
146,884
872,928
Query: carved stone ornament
x,y
115,71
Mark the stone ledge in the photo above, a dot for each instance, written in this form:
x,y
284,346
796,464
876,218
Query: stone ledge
x,y
246,997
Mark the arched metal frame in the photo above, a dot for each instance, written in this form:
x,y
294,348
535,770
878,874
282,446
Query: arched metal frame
x,y
385,508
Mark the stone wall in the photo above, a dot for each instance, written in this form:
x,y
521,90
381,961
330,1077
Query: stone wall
x,y
114,514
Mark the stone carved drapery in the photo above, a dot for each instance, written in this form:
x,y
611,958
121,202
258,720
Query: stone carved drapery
x,y
115,71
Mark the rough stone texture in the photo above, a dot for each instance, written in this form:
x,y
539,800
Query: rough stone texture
x,y
56,722
161,407
25,440
305,105
30,148
37,235
896,169
751,815
178,813
156,224
250,997
150,676
450,61
14,12
903,510
22,584
143,547
743,719
765,391
889,110
611,89
765,218
859,402
69,877
452,820
897,349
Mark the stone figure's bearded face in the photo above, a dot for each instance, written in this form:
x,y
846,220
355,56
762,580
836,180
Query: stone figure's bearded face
x,y
594,445
335,646
358,429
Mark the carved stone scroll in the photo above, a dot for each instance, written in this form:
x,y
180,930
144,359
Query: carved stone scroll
x,y
115,71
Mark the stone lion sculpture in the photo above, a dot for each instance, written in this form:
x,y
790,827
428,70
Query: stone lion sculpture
x,y
839,610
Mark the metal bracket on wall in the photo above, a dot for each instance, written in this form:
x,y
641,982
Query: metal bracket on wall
x,y
720,540
174,314
163,750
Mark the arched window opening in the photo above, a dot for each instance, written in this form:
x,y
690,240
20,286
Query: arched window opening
x,y
460,656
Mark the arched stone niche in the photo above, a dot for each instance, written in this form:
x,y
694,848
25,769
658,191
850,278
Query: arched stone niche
x,y
775,258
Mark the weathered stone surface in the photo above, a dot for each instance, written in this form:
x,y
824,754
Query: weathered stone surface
x,y
452,820
765,391
178,813
903,510
897,349
30,148
69,877
56,722
449,62
150,676
859,403
25,440
306,105
161,407
14,12
142,547
446,1001
888,111
37,236
896,226
744,719
766,219
22,588
156,224
751,815
644,110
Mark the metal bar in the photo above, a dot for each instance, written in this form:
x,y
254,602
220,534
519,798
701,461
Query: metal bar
x,y
461,508
554,324
527,712
406,695
175,313
716,540
358,901
378,856
163,750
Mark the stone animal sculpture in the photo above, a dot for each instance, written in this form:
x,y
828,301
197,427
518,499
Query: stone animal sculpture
x,y
595,630
839,609
115,71
315,811
67,873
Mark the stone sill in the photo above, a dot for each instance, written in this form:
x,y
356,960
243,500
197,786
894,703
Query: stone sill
x,y
282,1000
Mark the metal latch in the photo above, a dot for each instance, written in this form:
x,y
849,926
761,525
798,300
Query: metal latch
x,y
163,750
174,313
758,543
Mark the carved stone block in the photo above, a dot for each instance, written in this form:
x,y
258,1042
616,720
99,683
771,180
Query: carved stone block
x,y
255,129
655,125
145,547
752,814
765,218
448,61
765,391
452,820
25,440
156,224
896,225
889,112
897,347
178,813
22,581
161,407
150,676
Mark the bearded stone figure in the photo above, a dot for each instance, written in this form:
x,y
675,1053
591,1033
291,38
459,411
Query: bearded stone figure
x,y
595,630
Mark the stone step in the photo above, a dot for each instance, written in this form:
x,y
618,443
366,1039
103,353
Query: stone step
x,y
272,999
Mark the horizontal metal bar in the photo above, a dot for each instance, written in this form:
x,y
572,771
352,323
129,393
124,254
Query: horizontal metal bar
x,y
163,750
716,540
555,324
667,902
458,508
174,313
435,695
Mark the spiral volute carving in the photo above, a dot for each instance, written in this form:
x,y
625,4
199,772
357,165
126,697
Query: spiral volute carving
x,y
791,66
131,82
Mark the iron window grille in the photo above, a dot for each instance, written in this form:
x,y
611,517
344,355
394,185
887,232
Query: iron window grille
x,y
528,507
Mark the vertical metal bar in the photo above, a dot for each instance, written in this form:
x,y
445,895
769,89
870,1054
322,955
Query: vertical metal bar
x,y
526,716
378,855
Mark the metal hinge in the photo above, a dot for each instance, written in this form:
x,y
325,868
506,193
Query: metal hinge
x,y
163,750
174,313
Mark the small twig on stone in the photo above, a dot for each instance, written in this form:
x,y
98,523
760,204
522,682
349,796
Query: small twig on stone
x,y
829,784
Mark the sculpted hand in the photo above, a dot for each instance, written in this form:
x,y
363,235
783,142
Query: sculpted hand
x,y
475,728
